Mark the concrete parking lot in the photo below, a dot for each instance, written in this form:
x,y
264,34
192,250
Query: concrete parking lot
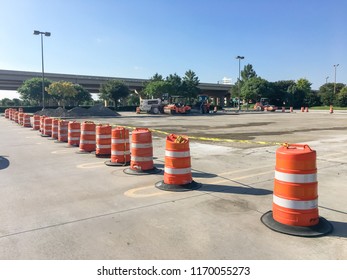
x,y
57,204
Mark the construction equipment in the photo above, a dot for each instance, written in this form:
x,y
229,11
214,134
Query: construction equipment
x,y
264,105
177,106
153,106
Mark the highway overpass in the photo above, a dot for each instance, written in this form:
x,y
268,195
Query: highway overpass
x,y
12,80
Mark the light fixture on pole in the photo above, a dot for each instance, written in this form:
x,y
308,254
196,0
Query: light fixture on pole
x,y
326,79
239,58
36,32
335,65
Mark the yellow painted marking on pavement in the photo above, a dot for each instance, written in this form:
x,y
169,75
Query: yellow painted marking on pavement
x,y
91,165
134,192
213,139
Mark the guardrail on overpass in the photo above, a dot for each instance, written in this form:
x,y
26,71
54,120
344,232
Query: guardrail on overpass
x,y
12,80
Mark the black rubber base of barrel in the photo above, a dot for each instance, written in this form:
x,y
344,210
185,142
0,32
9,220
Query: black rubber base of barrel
x,y
58,141
43,135
102,155
110,163
142,172
72,146
83,152
321,229
178,188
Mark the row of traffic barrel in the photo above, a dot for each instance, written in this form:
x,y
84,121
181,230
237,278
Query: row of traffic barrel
x,y
114,143
295,194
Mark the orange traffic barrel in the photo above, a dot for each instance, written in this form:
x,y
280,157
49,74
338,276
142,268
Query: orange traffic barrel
x,y
55,123
36,122
63,131
177,171
12,114
20,110
141,160
74,133
295,196
26,120
16,117
42,118
331,110
120,147
283,109
7,113
138,110
20,118
103,140
302,109
47,127
88,139
291,109
306,109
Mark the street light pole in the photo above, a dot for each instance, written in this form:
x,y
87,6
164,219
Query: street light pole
x,y
239,58
326,79
335,65
36,32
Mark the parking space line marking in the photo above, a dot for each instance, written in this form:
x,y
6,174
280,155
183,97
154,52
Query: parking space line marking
x,y
91,165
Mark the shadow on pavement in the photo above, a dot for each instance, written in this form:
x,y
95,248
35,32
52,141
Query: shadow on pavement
x,y
233,189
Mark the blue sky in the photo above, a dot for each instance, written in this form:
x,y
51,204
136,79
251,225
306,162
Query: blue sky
x,y
282,39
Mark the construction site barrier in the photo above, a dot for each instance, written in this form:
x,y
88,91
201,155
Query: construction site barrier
x,y
120,148
88,139
42,118
20,118
141,160
283,109
306,109
7,113
295,196
63,130
74,133
36,122
291,109
12,114
302,109
55,123
177,171
16,113
103,140
331,110
47,127
26,120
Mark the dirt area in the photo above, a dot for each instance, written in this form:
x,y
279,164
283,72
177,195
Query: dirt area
x,y
94,111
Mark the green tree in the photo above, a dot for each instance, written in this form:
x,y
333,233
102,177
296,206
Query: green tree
x,y
31,90
299,92
190,85
62,92
254,88
174,84
82,96
248,72
326,93
156,77
342,97
155,89
7,102
279,92
114,90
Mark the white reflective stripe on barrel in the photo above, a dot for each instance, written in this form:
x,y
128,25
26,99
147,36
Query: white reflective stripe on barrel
x,y
108,136
177,154
74,138
177,171
120,153
103,146
61,135
119,141
74,130
295,204
141,159
87,141
141,146
296,178
84,132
